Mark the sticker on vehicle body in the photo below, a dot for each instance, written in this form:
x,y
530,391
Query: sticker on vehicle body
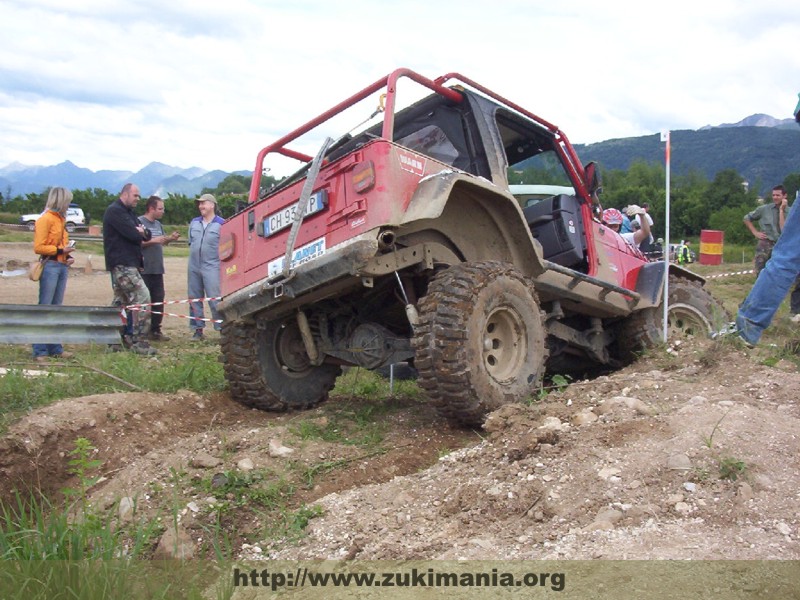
x,y
413,163
300,256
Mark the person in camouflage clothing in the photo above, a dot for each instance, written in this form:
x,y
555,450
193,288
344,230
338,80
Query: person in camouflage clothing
x,y
123,235
770,218
782,270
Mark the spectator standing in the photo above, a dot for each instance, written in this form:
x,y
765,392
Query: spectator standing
x,y
759,308
51,242
770,218
772,224
153,254
683,255
204,263
123,235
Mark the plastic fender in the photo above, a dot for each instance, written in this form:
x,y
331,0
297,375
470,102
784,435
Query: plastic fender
x,y
482,221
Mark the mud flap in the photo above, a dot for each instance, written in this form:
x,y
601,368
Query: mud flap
x,y
650,284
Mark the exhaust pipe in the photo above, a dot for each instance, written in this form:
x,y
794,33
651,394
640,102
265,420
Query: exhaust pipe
x,y
386,239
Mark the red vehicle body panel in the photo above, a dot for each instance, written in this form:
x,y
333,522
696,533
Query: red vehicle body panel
x,y
398,172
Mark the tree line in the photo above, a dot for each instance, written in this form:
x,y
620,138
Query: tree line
x,y
231,194
695,202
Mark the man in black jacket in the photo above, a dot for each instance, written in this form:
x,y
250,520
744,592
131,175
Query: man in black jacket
x,y
122,245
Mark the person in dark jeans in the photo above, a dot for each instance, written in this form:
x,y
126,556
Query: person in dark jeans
x,y
153,253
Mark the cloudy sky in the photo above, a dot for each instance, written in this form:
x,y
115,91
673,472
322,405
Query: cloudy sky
x,y
113,84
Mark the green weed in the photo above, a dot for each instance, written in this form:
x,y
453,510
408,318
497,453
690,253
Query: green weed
x,y
81,464
732,468
558,383
728,467
292,525
255,488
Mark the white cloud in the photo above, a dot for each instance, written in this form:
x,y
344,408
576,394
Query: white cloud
x,y
117,84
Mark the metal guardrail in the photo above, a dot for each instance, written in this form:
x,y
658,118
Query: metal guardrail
x,y
47,324
81,234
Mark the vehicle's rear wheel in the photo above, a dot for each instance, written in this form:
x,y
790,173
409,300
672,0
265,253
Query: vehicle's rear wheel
x,y
70,227
693,312
268,368
31,225
480,341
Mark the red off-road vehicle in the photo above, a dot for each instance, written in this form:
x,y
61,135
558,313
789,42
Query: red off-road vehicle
x,y
402,242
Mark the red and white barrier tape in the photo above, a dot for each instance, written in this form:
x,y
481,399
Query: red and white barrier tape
x,y
133,307
729,274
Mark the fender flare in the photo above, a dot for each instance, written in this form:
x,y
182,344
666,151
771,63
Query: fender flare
x,y
451,202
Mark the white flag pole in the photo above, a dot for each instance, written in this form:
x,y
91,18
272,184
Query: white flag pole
x,y
665,138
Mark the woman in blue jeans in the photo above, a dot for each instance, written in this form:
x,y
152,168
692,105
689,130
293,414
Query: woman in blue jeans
x,y
51,242
773,283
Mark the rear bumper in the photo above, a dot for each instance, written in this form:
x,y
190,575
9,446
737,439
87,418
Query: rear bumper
x,y
310,282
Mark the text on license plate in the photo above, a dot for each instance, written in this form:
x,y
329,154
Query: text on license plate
x,y
283,218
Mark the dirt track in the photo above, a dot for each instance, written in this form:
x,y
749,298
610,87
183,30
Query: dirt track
x,y
625,466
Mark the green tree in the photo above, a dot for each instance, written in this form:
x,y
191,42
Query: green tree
x,y
729,220
232,184
792,185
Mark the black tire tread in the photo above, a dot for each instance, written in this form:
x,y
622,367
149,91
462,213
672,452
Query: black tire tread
x,y
239,345
439,339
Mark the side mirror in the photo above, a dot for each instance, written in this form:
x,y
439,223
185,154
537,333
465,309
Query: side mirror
x,y
593,183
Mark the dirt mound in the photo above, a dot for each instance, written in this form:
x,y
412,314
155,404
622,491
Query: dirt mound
x,y
687,456
121,427
695,462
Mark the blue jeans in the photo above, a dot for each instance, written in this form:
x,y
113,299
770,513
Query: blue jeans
x,y
773,283
52,286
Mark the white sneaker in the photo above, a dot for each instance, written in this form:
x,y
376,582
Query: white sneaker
x,y
796,318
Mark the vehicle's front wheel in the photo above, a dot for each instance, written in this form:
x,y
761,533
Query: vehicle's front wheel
x,y
31,225
70,227
480,341
268,368
693,312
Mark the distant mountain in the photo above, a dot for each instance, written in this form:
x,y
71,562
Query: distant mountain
x,y
764,155
757,120
156,178
180,184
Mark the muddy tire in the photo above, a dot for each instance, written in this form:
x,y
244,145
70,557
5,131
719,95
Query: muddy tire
x,y
480,341
269,369
693,312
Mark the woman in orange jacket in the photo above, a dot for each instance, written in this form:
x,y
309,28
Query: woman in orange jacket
x,y
51,242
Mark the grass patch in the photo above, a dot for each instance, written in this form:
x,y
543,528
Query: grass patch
x,y
235,489
291,525
371,385
35,530
732,468
196,370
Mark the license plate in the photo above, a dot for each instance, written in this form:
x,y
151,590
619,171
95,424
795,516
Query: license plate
x,y
301,255
284,217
